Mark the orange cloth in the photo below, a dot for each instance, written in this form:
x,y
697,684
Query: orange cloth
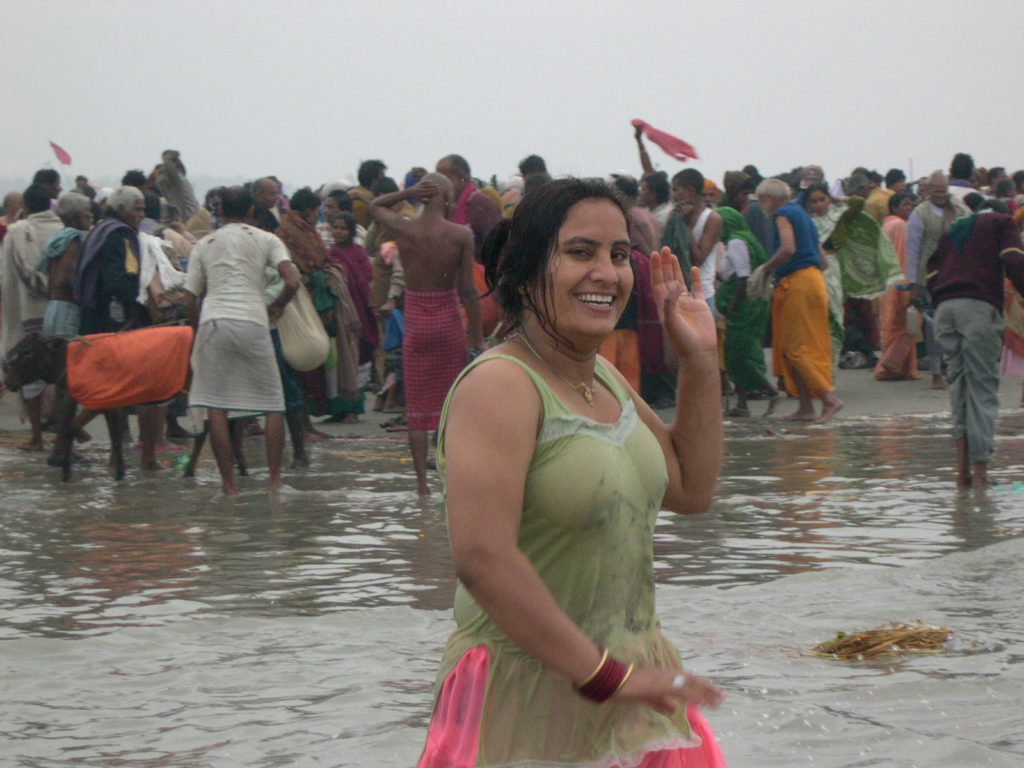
x,y
800,337
622,349
899,349
112,370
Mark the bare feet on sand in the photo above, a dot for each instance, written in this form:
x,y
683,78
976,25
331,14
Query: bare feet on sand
x,y
828,410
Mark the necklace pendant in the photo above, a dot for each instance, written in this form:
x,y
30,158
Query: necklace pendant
x,y
587,392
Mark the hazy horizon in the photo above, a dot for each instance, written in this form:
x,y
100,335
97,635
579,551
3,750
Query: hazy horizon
x,y
249,89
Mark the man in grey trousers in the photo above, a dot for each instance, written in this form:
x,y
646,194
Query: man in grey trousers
x,y
965,281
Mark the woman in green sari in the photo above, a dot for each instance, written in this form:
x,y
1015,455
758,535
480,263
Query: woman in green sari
x,y
746,318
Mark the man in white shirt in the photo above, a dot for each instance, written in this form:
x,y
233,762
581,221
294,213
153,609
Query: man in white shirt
x,y
704,224
233,363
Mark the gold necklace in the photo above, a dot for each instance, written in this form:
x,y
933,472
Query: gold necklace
x,y
588,392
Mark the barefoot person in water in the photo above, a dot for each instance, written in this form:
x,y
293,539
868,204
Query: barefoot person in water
x,y
801,347
233,363
437,257
555,470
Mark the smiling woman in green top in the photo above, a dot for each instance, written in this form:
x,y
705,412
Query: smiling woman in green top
x,y
555,471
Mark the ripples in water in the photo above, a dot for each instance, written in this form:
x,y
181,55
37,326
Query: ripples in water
x,y
146,623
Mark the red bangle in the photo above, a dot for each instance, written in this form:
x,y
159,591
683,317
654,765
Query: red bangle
x,y
603,684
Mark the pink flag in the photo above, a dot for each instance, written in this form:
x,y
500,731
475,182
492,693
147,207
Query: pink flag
x,y
677,148
65,158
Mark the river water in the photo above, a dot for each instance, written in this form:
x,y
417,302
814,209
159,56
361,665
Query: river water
x,y
149,624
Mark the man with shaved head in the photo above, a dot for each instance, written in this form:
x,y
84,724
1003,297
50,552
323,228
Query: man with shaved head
x,y
438,257
12,208
471,207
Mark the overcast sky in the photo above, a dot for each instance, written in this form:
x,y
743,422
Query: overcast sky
x,y
306,90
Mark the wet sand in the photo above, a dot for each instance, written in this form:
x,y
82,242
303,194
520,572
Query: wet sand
x,y
864,397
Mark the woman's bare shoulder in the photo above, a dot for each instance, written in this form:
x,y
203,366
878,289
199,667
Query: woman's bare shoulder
x,y
497,389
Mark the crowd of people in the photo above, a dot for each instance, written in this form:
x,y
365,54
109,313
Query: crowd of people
x,y
828,274
534,329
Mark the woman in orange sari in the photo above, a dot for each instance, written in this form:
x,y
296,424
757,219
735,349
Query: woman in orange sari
x,y
899,347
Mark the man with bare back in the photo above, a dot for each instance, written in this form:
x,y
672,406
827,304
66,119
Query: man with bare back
x,y
437,257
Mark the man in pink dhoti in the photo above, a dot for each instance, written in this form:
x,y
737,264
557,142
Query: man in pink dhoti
x,y
438,260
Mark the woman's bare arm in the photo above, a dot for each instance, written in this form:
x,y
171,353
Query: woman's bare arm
x,y
489,440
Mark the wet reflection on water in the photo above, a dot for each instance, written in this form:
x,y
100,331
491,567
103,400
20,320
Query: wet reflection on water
x,y
244,628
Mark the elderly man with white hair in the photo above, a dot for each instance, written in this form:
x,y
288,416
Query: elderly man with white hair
x,y
106,287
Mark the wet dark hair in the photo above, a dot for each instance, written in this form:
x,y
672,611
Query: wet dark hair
x,y
973,200
385,185
658,184
516,253
304,200
690,177
235,202
36,197
532,164
369,171
134,178
897,199
894,176
962,166
46,176
350,222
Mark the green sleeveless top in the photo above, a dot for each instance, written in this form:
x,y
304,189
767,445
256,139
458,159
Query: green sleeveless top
x,y
593,492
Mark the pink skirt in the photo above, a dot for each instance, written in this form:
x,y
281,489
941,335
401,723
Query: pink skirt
x,y
453,739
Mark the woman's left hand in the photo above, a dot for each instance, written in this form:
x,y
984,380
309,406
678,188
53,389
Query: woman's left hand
x,y
685,315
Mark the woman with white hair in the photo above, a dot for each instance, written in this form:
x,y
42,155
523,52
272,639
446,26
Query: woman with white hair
x,y
801,347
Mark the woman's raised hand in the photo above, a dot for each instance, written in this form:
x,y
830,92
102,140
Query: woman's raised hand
x,y
685,315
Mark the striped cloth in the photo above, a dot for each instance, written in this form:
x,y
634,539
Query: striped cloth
x,y
434,351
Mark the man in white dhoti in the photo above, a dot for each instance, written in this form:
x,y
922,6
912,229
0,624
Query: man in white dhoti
x,y
233,362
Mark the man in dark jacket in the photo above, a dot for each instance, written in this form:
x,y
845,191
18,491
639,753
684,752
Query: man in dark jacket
x,y
965,282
